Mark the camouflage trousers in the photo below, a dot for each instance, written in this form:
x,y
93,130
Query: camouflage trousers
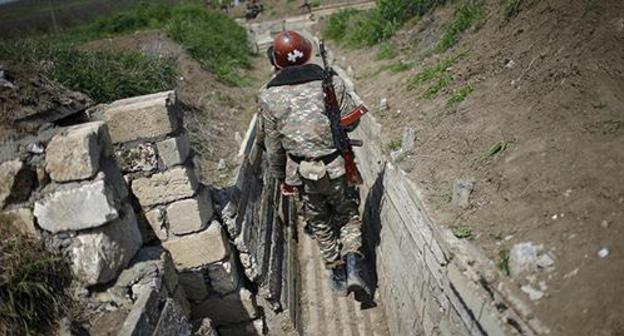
x,y
334,219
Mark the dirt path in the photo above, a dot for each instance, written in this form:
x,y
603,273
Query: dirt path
x,y
322,312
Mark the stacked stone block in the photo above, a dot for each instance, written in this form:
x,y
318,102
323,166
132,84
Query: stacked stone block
x,y
176,210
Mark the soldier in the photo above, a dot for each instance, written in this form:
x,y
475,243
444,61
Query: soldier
x,y
302,155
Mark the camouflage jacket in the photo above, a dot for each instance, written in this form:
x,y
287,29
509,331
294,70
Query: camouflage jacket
x,y
293,122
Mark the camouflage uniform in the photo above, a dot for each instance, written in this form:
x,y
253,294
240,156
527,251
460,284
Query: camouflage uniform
x,y
294,124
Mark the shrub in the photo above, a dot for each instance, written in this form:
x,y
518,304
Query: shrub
x,y
32,285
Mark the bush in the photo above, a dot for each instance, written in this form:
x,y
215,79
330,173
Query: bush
x,y
32,285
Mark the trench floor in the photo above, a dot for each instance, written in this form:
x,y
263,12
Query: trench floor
x,y
324,314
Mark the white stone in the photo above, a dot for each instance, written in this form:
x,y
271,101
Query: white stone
x,y
15,182
198,249
156,219
74,154
545,261
141,117
533,293
383,104
224,277
603,253
169,186
85,206
522,258
462,188
99,255
408,139
174,151
190,215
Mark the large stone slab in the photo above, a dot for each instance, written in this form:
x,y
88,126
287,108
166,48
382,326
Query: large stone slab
x,y
15,182
169,186
82,207
198,249
172,321
174,151
99,255
74,154
141,117
190,215
144,315
237,307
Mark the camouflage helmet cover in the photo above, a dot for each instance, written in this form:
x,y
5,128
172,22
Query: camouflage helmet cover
x,y
290,48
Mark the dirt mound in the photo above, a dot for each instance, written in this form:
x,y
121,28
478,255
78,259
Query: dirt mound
x,y
541,133
216,112
28,100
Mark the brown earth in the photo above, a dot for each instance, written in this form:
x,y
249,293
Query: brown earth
x,y
551,81
216,112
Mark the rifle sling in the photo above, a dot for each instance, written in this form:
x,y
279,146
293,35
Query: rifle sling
x,y
297,75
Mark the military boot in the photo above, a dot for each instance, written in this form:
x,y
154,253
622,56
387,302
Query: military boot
x,y
357,278
338,280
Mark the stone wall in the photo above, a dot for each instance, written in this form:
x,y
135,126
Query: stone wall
x,y
430,282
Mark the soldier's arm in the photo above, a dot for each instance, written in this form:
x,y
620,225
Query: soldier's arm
x,y
273,144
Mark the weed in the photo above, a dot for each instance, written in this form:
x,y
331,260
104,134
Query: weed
x,y
399,67
393,145
503,261
386,51
460,96
440,84
465,17
32,284
462,232
512,8
432,72
496,149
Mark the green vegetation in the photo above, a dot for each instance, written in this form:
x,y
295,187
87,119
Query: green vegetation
x,y
365,28
462,232
32,284
503,261
466,16
496,149
393,145
399,67
460,95
213,39
512,8
437,73
315,3
386,51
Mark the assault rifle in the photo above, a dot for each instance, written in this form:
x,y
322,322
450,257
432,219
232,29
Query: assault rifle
x,y
339,123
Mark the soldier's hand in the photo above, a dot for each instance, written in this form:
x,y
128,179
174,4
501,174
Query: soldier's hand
x,y
288,190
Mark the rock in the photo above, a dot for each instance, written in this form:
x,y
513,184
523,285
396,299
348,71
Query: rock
x,y
407,141
190,215
144,316
172,321
545,261
255,327
174,151
238,138
603,253
180,297
522,258
156,220
74,154
198,249
396,155
21,220
222,165
139,158
383,104
172,185
533,293
82,207
604,224
100,254
206,328
236,307
462,188
194,285
15,182
141,117
147,269
35,148
224,276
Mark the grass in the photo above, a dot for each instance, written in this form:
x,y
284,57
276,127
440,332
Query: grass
x,y
503,261
436,74
512,8
466,15
496,149
396,68
365,28
462,232
32,284
393,145
460,96
386,51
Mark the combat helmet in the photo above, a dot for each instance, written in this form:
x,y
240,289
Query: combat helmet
x,y
290,48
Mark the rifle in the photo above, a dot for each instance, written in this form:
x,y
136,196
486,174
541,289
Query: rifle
x,y
338,123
